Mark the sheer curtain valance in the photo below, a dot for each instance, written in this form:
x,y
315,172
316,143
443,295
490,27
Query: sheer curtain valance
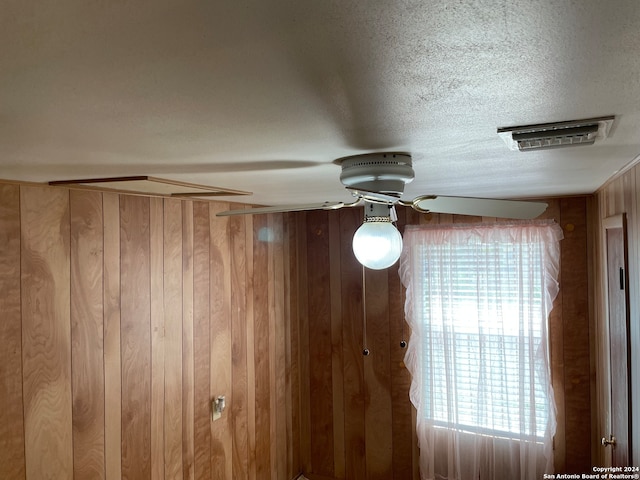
x,y
478,301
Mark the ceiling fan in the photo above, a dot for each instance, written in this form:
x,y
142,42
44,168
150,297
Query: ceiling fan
x,y
377,181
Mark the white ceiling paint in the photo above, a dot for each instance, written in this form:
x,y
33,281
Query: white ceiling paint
x,y
264,95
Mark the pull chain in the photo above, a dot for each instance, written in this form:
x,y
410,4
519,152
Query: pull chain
x,y
403,343
365,350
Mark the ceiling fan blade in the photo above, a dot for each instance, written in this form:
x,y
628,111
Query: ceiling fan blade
x,y
486,207
285,208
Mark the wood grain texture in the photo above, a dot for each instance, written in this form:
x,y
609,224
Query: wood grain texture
x,y
201,344
353,342
112,357
576,331
220,334
239,407
261,355
156,227
302,337
135,337
377,423
251,365
12,455
293,301
320,344
173,279
278,325
288,311
273,398
46,332
337,364
87,329
115,262
377,377
188,447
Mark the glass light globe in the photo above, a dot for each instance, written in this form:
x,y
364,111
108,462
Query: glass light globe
x,y
377,245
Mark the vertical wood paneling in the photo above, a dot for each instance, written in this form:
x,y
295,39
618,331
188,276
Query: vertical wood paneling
x,y
220,328
12,461
112,357
239,292
576,328
87,330
201,344
173,312
156,226
261,336
188,391
138,276
249,348
378,406
377,422
352,337
337,364
303,342
46,332
320,344
294,303
135,337
160,302
278,325
273,398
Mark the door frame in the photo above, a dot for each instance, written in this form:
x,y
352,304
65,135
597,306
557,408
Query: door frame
x,y
614,222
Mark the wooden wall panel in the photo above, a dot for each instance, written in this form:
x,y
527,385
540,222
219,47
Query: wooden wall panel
x,y
320,344
156,252
46,333
239,292
173,311
159,302
135,337
87,328
261,355
188,388
576,347
220,332
201,344
302,336
112,355
278,366
12,461
249,348
337,364
377,377
293,305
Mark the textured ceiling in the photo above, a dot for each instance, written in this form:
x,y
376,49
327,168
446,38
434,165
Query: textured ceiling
x,y
264,95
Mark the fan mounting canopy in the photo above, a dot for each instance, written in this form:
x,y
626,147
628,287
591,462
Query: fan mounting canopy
x,y
386,173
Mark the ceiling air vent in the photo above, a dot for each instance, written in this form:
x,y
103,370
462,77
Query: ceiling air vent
x,y
556,135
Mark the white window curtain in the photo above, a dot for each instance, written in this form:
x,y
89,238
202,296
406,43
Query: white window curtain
x,y
478,301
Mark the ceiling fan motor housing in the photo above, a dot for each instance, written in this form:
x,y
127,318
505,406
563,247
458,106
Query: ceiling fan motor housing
x,y
377,172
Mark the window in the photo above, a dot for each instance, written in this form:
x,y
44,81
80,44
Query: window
x,y
478,299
